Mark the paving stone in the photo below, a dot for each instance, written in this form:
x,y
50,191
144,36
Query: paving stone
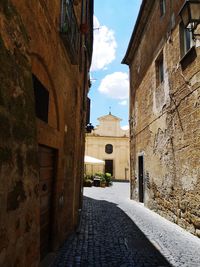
x,y
107,237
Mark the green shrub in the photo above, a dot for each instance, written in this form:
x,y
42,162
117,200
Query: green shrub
x,y
108,178
88,183
88,177
102,179
99,174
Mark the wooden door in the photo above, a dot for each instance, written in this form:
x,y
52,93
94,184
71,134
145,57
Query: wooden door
x,y
47,163
141,178
109,166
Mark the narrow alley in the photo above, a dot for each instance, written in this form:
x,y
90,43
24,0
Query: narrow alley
x,y
117,231
100,133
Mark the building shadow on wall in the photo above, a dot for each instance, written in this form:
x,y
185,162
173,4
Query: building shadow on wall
x,y
108,237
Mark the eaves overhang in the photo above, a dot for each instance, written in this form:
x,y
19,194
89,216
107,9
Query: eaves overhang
x,y
138,30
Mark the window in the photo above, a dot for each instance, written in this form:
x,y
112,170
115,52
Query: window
x,y
159,70
41,99
185,40
109,149
162,7
70,30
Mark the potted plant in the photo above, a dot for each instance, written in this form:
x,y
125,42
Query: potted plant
x,y
108,179
103,181
87,181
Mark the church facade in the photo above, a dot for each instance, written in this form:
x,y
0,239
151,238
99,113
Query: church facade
x,y
109,142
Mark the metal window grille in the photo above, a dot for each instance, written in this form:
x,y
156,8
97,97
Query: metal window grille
x,y
70,30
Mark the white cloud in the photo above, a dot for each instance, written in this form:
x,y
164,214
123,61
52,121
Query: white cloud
x,y
123,103
104,47
115,85
92,79
126,127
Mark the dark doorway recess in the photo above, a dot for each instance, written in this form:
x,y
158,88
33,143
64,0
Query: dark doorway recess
x,y
141,177
47,158
109,166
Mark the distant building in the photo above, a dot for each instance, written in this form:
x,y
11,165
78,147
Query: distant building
x,y
164,65
109,142
45,56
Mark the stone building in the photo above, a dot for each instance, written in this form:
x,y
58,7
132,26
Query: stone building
x,y
109,142
45,55
164,63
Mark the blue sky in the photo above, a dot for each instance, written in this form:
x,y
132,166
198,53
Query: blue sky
x,y
113,25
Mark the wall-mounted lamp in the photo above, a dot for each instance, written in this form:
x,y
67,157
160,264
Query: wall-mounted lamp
x,y
190,15
89,127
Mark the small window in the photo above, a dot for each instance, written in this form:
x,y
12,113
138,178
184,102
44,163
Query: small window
x,y
162,7
109,149
41,99
185,40
159,70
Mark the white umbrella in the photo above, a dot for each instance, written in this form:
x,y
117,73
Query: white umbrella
x,y
92,160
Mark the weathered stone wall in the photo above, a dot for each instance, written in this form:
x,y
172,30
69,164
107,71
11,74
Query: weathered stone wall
x,y
19,196
31,43
165,123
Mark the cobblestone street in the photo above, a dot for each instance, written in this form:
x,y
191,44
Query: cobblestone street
x,y
108,237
